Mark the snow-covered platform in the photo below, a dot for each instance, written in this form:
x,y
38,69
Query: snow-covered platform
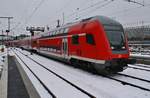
x,y
16,87
97,86
19,83
13,82
3,74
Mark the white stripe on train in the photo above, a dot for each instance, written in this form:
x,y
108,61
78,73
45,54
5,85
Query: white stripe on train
x,y
73,56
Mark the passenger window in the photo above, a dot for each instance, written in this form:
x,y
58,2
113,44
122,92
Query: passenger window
x,y
34,42
52,33
90,39
75,39
57,32
66,30
61,31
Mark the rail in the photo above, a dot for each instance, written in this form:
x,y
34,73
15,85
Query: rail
x,y
77,87
49,91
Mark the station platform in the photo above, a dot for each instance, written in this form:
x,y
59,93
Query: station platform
x,y
22,77
14,81
16,86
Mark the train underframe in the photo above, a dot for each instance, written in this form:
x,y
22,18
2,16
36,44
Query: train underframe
x,y
110,66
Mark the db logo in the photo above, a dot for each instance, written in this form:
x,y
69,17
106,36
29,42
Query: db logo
x,y
119,56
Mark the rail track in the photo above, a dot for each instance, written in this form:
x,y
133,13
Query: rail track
x,y
118,80
121,74
144,66
126,83
59,76
47,89
148,70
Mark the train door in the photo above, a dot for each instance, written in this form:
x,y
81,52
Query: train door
x,y
65,47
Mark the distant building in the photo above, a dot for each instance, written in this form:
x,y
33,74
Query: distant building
x,y
21,36
4,38
138,33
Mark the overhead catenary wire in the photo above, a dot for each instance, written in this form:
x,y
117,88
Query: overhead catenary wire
x,y
15,26
80,11
35,9
124,12
95,8
83,9
21,23
119,13
61,10
86,8
31,15
133,1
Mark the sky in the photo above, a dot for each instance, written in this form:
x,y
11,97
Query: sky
x,y
47,12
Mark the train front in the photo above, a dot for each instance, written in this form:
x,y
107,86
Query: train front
x,y
117,54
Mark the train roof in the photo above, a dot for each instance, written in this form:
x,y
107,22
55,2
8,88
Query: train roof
x,y
103,19
106,20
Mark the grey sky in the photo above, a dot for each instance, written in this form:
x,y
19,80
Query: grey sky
x,y
46,12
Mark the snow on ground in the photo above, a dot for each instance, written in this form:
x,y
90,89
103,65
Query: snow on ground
x,y
59,88
139,67
40,89
99,86
143,65
2,55
137,73
134,81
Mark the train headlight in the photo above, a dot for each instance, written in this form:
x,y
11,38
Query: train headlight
x,y
112,47
123,47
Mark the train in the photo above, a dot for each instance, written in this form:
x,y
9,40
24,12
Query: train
x,y
98,43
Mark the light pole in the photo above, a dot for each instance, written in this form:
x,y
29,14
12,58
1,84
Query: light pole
x,y
8,30
32,31
8,21
135,2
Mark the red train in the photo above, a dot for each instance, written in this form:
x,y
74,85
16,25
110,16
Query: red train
x,y
98,43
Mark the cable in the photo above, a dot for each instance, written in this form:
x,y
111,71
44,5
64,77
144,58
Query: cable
x,y
21,18
35,9
64,7
16,26
31,15
97,8
135,2
82,11
104,3
91,6
128,10
59,11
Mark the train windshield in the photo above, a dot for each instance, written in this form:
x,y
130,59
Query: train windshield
x,y
115,36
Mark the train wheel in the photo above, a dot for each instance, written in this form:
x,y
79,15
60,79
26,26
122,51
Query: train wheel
x,y
101,69
74,63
